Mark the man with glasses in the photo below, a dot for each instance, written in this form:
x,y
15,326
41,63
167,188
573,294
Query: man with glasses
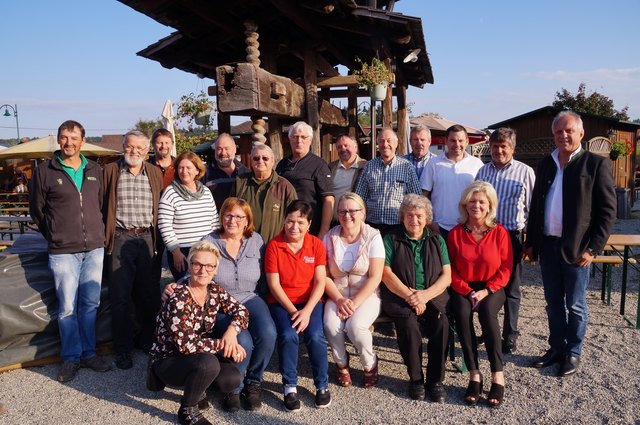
x,y
267,193
222,173
385,181
346,169
65,205
132,189
311,177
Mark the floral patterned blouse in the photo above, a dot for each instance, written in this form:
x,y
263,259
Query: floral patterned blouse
x,y
183,327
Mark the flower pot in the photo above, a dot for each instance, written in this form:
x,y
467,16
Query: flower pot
x,y
379,92
202,118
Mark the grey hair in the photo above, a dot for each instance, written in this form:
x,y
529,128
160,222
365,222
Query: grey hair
x,y
302,126
203,246
135,133
413,201
382,130
224,136
263,147
567,114
420,128
504,134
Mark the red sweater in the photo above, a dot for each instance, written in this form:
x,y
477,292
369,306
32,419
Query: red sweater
x,y
489,261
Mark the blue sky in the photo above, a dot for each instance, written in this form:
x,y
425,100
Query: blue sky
x,y
76,59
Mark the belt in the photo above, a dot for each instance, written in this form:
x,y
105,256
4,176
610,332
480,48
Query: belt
x,y
136,230
552,238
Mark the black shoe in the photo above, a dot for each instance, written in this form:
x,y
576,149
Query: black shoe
x,y
323,398
473,393
569,365
416,390
68,371
253,395
496,395
509,346
436,391
124,361
548,358
96,363
231,402
204,403
191,416
291,402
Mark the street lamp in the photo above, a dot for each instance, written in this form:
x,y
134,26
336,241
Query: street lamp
x,y
15,114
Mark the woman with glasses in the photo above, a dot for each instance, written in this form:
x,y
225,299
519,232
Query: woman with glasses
x,y
186,353
267,193
355,259
295,268
186,212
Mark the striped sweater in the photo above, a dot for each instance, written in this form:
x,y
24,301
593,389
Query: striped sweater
x,y
181,222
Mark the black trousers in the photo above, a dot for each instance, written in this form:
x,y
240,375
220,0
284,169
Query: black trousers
x,y
488,315
197,373
410,330
131,283
156,266
512,291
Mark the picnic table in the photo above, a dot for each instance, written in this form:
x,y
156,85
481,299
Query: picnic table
x,y
14,224
622,246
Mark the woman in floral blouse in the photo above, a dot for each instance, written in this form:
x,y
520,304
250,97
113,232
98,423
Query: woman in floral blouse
x,y
185,353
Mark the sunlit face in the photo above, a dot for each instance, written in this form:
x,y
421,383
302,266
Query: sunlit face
x,y
501,152
225,151
566,134
457,142
70,142
200,262
478,206
387,144
415,221
135,150
296,226
262,161
234,221
350,213
187,172
347,149
420,142
162,145
300,143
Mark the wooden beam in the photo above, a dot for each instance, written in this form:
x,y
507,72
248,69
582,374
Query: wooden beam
x,y
311,95
330,114
352,112
275,138
403,124
338,81
387,105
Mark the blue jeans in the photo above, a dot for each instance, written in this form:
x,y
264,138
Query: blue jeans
x,y
258,341
565,291
77,279
313,338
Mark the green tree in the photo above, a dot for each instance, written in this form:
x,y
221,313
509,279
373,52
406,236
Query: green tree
x,y
591,103
147,126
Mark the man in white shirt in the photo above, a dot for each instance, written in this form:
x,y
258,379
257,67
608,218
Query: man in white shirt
x,y
346,170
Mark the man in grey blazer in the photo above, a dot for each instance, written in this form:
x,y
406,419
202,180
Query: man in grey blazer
x,y
573,210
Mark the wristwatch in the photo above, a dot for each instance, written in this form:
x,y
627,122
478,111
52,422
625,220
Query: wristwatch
x,y
592,252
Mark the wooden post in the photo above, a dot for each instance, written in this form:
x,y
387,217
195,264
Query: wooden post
x,y
403,124
387,104
253,57
275,138
352,113
311,96
224,123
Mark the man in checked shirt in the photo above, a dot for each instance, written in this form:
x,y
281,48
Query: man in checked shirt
x,y
513,182
385,181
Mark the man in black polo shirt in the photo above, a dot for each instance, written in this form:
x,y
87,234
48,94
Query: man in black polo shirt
x,y
222,173
310,175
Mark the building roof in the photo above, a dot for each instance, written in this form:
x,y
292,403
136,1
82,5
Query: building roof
x,y
212,33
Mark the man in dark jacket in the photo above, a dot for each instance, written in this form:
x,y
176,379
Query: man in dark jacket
x,y
573,210
65,204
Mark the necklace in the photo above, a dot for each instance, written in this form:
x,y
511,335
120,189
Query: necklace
x,y
199,297
478,230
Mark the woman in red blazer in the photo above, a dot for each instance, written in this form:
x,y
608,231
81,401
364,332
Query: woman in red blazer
x,y
481,263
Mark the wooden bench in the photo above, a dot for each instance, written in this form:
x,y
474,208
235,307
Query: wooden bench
x,y
607,262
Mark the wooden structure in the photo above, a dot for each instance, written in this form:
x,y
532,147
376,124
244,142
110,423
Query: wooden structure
x,y
279,60
534,139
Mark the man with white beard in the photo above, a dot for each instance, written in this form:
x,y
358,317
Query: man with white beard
x,y
132,190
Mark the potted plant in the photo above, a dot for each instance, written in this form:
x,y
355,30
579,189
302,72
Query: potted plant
x,y
620,149
196,107
374,76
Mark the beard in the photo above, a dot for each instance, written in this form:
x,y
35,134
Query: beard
x,y
224,162
133,161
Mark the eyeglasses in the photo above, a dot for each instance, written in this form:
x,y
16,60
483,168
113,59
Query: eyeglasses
x,y
258,158
197,267
128,148
343,213
235,218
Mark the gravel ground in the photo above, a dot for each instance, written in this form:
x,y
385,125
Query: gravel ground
x,y
606,388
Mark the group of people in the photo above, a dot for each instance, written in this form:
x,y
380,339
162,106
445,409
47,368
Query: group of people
x,y
264,256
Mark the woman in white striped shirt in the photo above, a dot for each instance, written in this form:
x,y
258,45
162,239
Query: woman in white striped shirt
x,y
186,212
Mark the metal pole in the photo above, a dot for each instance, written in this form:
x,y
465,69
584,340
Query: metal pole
x,y
372,111
15,113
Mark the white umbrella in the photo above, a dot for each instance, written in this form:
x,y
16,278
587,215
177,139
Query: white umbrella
x,y
45,146
168,118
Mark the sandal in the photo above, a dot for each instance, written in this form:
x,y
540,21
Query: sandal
x,y
343,376
371,376
496,395
472,395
